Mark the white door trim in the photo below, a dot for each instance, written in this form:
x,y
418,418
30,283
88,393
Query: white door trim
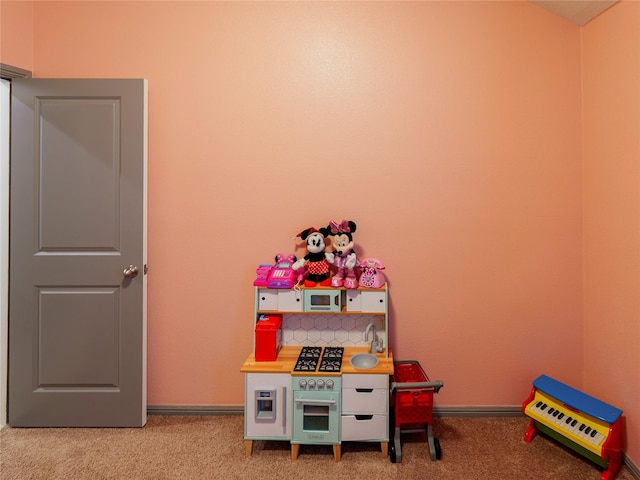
x,y
7,72
5,96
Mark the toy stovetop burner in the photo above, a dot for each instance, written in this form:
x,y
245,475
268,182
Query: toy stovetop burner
x,y
330,359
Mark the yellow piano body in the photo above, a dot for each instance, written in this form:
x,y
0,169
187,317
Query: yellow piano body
x,y
583,423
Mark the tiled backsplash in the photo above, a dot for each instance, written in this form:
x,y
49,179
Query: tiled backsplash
x,y
329,330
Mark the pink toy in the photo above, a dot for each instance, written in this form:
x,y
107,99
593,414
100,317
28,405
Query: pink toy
x,y
262,274
371,276
344,254
282,274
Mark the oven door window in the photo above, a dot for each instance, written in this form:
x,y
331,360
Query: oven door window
x,y
315,418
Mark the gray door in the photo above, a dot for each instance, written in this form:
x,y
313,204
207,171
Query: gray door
x,y
77,310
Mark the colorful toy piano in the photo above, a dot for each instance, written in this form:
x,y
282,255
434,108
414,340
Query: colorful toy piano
x,y
585,424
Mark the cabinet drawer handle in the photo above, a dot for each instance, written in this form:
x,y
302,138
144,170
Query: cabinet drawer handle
x,y
364,390
364,417
314,401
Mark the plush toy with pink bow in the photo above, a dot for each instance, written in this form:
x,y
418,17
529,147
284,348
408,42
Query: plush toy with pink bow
x,y
344,255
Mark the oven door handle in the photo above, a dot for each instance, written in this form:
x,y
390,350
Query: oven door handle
x,y
314,401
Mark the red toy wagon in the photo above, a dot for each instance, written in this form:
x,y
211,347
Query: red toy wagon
x,y
411,406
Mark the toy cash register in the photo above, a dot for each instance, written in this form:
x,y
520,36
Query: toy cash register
x,y
282,275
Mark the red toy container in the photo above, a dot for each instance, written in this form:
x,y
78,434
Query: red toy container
x,y
268,337
412,406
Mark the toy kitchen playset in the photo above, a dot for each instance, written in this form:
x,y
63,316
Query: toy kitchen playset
x,y
321,365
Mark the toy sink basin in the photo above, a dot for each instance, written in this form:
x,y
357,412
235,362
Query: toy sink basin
x,y
363,361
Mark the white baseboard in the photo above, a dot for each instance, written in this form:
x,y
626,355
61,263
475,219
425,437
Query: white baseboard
x,y
464,411
632,467
195,409
484,411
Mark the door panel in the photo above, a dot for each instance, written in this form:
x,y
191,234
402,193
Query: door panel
x,y
77,326
90,317
79,181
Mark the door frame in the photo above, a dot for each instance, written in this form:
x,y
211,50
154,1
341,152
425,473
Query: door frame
x,y
7,72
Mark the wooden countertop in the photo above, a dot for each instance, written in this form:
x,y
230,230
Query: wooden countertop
x,y
283,364
288,355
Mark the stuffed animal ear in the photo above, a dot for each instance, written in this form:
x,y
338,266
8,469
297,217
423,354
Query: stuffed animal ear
x,y
305,233
352,226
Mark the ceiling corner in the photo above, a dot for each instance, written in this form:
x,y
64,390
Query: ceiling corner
x,y
579,12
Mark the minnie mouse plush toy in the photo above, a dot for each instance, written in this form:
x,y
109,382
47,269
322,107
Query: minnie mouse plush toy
x,y
316,260
345,256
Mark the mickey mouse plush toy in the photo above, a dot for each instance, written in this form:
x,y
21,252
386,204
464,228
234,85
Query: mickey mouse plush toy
x,y
316,260
345,256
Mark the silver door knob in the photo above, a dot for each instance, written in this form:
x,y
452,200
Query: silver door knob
x,y
130,272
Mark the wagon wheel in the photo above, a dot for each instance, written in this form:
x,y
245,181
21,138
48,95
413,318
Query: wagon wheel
x,y
392,434
397,447
392,452
435,451
436,443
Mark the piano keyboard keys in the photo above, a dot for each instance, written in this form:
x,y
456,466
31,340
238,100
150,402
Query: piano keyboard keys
x,y
567,423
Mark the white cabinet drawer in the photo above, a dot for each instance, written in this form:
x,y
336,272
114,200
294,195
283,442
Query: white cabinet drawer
x,y
289,300
364,427
353,301
267,299
373,301
364,400
363,380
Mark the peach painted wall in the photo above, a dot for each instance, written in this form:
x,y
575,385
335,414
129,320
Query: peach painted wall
x,y
449,131
611,79
16,33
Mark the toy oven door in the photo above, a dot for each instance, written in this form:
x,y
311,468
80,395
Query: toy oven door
x,y
316,417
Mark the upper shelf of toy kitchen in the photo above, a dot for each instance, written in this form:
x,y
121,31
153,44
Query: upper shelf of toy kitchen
x,y
322,300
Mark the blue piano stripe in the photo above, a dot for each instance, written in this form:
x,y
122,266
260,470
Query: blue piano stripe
x,y
577,399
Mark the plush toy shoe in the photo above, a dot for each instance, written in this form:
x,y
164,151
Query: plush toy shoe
x,y
350,282
338,281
